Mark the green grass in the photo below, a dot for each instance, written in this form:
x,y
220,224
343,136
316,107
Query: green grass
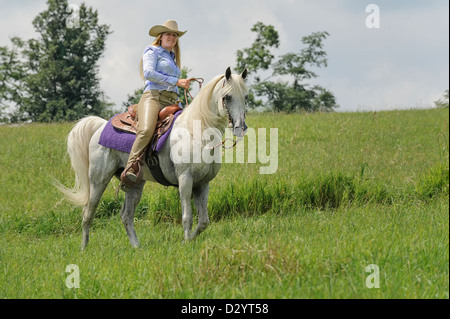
x,y
351,190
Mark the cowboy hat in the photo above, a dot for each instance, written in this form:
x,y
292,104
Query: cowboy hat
x,y
168,26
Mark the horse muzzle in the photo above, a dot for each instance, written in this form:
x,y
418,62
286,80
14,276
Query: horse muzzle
x,y
240,129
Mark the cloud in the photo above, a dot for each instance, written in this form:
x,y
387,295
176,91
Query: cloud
x,y
402,64
16,19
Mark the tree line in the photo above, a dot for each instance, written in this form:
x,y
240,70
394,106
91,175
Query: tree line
x,y
286,88
55,77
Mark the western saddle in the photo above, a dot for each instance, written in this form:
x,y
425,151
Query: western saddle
x,y
127,121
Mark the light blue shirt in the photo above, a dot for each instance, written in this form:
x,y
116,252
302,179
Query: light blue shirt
x,y
160,70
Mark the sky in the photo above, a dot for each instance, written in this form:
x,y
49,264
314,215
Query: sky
x,y
402,64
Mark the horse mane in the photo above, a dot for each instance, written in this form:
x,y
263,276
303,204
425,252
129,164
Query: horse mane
x,y
202,107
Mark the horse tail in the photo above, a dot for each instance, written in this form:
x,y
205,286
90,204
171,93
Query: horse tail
x,y
78,150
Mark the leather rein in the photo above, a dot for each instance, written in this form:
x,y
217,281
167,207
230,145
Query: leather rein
x,y
199,81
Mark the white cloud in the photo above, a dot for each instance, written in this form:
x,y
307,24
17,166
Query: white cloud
x,y
402,64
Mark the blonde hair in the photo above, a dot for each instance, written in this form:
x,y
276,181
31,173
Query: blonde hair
x,y
176,50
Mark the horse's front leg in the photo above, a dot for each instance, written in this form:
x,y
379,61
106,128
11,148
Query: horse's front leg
x,y
185,190
201,204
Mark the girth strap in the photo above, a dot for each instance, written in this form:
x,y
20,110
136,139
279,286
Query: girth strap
x,y
152,159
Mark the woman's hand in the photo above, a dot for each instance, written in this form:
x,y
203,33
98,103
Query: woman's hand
x,y
184,83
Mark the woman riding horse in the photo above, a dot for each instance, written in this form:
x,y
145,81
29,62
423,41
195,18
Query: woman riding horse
x,y
160,69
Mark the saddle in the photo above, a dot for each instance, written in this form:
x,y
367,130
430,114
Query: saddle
x,y
127,121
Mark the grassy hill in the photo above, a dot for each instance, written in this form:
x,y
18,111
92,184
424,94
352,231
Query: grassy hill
x,y
350,190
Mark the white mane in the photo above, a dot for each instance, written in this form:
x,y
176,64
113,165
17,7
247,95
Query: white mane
x,y
204,107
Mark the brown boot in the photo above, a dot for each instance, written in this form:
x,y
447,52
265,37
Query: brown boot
x,y
131,175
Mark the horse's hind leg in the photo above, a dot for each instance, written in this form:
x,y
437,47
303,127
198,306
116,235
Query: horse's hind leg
x,y
95,194
201,203
132,198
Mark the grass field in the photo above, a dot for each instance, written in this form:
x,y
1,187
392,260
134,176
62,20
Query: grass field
x,y
351,190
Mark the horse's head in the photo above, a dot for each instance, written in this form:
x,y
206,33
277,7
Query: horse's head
x,y
233,101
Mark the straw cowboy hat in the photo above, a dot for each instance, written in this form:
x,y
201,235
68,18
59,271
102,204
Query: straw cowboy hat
x,y
168,26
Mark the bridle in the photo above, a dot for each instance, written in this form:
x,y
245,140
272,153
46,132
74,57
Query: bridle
x,y
235,141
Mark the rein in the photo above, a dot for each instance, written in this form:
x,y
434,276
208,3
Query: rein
x,y
223,143
199,81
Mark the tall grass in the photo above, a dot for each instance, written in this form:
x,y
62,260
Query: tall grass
x,y
326,192
350,190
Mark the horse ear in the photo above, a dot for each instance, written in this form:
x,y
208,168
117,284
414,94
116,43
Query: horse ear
x,y
228,74
244,74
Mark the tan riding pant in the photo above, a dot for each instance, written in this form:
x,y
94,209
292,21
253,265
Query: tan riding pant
x,y
151,102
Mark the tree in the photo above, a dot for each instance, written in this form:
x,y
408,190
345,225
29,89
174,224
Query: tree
x,y
442,103
11,72
258,56
184,75
284,95
61,66
133,98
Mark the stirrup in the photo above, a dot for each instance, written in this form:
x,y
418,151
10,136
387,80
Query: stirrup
x,y
124,188
131,177
126,181
137,172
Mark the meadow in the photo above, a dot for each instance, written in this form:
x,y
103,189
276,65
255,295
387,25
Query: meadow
x,y
351,190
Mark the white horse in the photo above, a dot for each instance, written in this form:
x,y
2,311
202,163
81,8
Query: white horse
x,y
220,102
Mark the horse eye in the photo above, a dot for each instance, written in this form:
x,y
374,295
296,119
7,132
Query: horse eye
x,y
227,98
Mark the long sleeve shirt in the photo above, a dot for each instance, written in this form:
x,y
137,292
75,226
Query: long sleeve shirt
x,y
160,69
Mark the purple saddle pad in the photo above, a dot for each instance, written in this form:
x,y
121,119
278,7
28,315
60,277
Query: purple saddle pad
x,y
123,141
